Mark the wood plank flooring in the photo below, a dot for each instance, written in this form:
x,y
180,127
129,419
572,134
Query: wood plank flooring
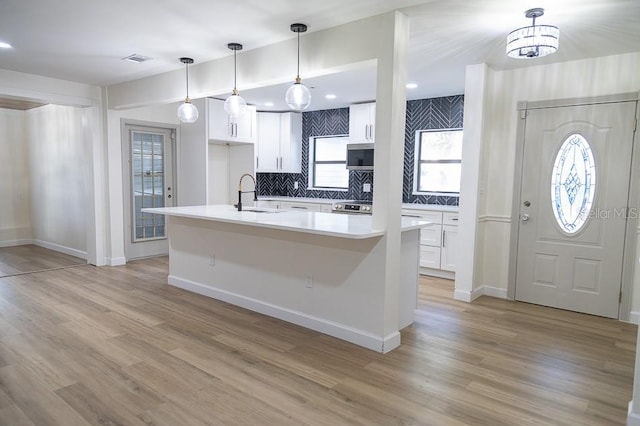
x,y
117,346
31,258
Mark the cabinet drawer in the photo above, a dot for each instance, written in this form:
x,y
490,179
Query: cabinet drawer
x,y
435,217
303,207
431,235
450,218
430,257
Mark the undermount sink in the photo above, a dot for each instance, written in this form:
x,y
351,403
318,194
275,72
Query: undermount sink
x,y
258,210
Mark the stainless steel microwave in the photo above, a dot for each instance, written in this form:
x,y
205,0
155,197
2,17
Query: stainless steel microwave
x,y
360,156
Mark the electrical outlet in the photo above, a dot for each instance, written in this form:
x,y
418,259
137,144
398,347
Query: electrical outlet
x,y
295,185
212,260
309,282
366,187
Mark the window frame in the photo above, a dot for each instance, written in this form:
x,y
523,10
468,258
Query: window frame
x,y
312,164
418,163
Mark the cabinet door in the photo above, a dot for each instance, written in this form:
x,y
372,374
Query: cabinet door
x,y
219,124
430,257
303,207
372,123
431,236
268,152
245,124
290,142
360,124
449,247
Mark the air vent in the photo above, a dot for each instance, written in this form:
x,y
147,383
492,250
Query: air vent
x,y
137,58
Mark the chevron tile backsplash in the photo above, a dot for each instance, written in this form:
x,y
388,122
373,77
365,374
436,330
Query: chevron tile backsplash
x,y
437,113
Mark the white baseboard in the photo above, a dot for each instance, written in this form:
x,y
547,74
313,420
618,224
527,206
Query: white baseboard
x,y
13,243
470,296
62,249
633,419
634,317
359,337
115,261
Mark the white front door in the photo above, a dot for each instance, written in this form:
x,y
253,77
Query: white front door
x,y
148,182
573,210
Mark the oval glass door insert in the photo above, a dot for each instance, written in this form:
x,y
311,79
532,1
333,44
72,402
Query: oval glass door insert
x,y
573,183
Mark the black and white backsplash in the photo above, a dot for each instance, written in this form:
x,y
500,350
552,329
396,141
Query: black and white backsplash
x,y
437,113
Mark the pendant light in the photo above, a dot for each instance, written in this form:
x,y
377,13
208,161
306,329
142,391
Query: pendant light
x,y
235,105
534,41
187,112
298,96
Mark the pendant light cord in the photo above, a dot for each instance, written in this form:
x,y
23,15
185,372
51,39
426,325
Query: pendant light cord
x,y
235,69
298,55
186,68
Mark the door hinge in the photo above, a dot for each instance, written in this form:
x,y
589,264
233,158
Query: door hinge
x,y
620,297
523,114
635,125
172,135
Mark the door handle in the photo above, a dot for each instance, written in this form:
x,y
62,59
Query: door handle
x,y
525,217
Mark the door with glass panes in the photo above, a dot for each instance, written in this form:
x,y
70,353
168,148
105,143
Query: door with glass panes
x,y
148,182
574,206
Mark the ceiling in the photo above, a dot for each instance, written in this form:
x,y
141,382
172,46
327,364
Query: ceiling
x,y
84,41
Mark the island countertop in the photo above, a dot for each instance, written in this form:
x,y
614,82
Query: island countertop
x,y
330,224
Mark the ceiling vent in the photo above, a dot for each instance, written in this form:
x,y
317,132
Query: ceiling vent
x,y
136,58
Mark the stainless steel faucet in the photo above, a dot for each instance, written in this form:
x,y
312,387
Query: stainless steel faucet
x,y
240,192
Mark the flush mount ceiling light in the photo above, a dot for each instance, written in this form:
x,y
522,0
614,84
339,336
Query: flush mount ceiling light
x,y
187,112
4,45
235,105
298,96
534,41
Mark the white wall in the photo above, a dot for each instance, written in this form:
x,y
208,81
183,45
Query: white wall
x,y
58,175
15,225
590,77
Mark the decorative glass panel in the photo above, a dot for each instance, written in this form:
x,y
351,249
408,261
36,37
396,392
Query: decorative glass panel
x,y
573,183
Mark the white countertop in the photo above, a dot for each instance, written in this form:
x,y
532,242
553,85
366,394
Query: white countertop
x,y
412,206
330,224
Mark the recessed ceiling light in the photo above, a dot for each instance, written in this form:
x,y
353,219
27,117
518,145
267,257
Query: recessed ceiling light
x,y
411,85
136,58
268,104
330,96
4,45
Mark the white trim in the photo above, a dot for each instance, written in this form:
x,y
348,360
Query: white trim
x,y
62,249
633,419
13,243
440,273
350,334
115,261
494,218
634,317
485,290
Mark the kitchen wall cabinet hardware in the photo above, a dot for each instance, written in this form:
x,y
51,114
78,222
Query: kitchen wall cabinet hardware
x,y
362,118
225,128
438,243
279,144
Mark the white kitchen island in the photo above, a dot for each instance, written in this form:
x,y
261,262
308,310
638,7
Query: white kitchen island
x,y
322,271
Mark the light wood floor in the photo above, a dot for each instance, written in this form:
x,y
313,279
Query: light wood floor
x,y
117,346
30,258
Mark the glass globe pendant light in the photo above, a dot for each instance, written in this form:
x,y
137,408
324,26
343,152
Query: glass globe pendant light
x,y
187,112
235,105
298,96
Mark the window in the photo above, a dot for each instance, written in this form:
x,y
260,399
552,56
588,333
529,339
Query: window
x,y
438,161
328,159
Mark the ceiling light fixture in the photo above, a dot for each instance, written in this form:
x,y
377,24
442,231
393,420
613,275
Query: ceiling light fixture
x,y
4,45
298,96
268,104
411,85
235,105
187,112
534,41
330,96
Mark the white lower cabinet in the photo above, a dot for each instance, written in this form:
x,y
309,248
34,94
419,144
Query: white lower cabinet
x,y
303,206
438,242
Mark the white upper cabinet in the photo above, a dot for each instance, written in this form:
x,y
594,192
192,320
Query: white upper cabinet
x,y
362,118
279,142
223,128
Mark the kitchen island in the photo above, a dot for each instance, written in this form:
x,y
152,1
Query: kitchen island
x,y
322,271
